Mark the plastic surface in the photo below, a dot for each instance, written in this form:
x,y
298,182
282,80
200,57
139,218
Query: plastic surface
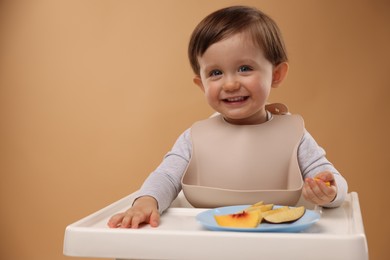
x,y
338,235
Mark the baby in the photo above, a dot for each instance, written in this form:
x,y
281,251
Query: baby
x,y
237,55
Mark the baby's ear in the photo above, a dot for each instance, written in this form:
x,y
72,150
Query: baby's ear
x,y
198,81
279,74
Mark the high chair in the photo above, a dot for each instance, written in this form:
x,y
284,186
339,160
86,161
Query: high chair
x,y
338,235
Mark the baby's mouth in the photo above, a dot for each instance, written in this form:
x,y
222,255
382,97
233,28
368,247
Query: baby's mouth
x,y
235,99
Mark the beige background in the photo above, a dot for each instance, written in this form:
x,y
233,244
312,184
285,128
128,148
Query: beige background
x,y
94,93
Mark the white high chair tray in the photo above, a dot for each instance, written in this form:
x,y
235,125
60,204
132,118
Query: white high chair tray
x,y
338,235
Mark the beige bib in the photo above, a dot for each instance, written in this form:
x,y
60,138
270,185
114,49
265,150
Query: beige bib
x,y
243,164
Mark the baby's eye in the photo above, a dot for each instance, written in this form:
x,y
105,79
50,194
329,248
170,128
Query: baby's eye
x,y
244,68
215,73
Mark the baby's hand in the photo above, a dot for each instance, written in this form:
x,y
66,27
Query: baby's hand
x,y
321,189
144,210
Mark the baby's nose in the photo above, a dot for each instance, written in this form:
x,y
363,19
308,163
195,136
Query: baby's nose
x,y
231,85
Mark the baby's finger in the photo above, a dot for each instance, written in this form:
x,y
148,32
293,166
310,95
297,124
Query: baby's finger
x,y
318,189
137,219
154,219
126,221
309,194
329,191
115,220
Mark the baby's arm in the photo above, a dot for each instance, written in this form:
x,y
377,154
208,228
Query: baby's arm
x,y
314,165
144,210
159,189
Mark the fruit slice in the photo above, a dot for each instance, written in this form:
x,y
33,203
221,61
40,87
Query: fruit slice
x,y
244,219
285,216
257,204
275,211
327,183
262,208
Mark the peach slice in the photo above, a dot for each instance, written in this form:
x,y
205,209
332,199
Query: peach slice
x,y
243,219
258,204
327,183
285,216
262,208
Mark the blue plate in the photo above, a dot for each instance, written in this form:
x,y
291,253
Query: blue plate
x,y
206,218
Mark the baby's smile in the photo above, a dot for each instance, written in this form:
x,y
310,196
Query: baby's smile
x,y
235,99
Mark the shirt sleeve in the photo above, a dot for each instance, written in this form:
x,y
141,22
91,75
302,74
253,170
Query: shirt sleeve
x,y
164,184
312,160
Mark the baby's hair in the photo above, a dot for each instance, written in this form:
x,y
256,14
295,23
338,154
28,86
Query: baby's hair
x,y
226,22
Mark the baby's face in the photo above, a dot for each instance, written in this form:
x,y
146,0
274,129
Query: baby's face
x,y
236,79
